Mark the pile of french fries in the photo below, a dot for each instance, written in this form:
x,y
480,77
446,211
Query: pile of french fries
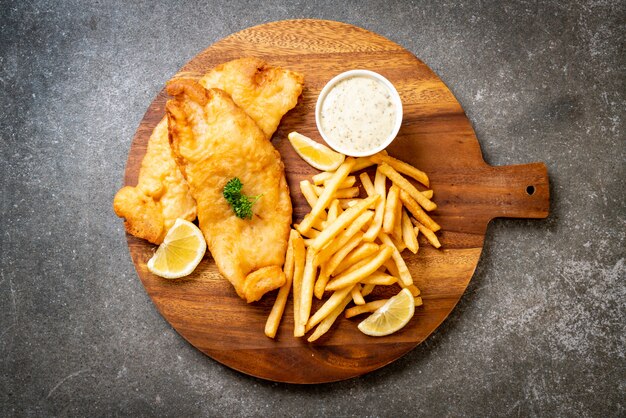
x,y
346,245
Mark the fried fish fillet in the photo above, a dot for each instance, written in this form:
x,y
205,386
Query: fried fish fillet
x,y
161,195
213,140
264,92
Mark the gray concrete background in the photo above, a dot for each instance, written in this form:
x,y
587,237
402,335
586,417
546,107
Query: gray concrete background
x,y
540,330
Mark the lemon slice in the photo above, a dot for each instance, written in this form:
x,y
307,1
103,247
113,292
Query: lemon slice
x,y
314,153
180,253
390,317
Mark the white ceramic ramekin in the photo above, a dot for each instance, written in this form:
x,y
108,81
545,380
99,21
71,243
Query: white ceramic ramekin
x,y
395,97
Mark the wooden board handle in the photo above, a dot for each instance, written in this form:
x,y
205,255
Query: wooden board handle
x,y
519,191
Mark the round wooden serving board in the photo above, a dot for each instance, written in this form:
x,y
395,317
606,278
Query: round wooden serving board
x,y
436,137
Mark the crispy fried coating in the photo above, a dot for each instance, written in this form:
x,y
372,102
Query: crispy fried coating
x,y
213,140
161,194
264,92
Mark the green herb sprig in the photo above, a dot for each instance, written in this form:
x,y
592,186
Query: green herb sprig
x,y
241,204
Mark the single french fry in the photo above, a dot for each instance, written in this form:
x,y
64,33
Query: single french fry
x,y
308,192
333,301
342,222
366,308
273,320
357,297
298,271
405,185
391,267
334,210
363,251
412,288
380,188
391,205
418,301
408,234
320,283
398,244
430,235
419,214
428,194
402,167
339,256
348,182
324,200
397,225
367,289
381,279
348,203
346,193
367,184
403,272
320,178
361,163
342,238
309,195
327,322
311,233
349,279
308,283
323,177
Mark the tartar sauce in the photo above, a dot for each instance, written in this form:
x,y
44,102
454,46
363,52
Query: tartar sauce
x,y
358,113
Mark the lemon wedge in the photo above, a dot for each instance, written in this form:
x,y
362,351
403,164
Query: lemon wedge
x,y
390,317
316,154
180,253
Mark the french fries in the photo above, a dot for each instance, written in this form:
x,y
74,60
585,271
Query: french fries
x,y
403,272
351,278
327,322
339,256
324,200
381,279
429,234
357,297
391,209
363,251
361,163
298,272
273,320
341,222
366,307
346,193
417,211
397,225
408,234
333,301
343,238
353,244
401,167
405,185
380,189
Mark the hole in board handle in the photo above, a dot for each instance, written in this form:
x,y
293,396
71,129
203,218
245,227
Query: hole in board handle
x,y
530,190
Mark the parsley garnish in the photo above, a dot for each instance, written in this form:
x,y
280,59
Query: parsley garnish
x,y
241,204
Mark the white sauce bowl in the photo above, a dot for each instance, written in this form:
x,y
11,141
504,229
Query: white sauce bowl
x,y
394,97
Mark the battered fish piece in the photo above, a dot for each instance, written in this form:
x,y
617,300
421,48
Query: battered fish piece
x,y
161,195
264,92
213,140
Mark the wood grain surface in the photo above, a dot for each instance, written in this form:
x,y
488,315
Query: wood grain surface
x,y
436,137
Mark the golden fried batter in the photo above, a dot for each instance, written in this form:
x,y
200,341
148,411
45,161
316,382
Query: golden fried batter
x,y
264,92
213,140
161,194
